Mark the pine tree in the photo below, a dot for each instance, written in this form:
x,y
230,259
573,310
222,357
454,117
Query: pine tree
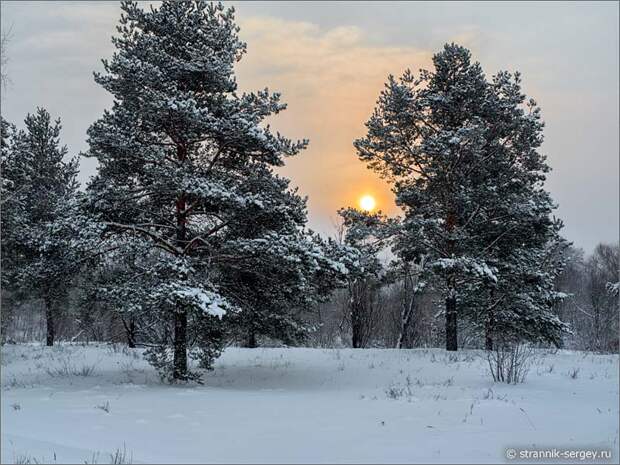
x,y
41,199
116,285
186,165
294,271
518,305
10,202
523,248
462,156
10,208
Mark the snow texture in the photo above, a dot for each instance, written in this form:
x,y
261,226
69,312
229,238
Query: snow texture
x,y
70,404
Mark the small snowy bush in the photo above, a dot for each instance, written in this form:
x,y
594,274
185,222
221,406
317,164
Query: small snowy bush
x,y
510,362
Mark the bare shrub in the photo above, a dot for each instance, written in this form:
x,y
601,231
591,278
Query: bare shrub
x,y
66,368
25,459
118,457
510,362
121,456
398,391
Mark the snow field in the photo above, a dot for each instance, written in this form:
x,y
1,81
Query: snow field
x,y
76,404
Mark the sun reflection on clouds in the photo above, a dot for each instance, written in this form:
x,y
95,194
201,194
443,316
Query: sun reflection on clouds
x,y
330,79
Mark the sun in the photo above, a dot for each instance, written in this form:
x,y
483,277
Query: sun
x,y
367,203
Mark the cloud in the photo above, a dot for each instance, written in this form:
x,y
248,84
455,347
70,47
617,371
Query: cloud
x,y
330,61
330,79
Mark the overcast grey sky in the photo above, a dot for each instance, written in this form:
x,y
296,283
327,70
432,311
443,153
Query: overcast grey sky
x,y
330,60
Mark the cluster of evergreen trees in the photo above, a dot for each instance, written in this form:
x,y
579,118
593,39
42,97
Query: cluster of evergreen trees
x,y
461,153
186,230
190,239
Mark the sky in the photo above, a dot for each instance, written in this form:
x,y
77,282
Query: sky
x,y
330,61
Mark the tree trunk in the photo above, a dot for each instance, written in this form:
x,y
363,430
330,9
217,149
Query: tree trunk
x,y
597,325
488,327
451,329
180,344
180,315
405,323
488,338
251,343
49,317
356,317
131,333
356,337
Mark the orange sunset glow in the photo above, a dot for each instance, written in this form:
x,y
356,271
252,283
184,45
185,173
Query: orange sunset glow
x,y
330,66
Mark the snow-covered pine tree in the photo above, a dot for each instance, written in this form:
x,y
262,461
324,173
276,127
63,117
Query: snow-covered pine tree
x,y
290,275
116,287
9,202
519,305
178,154
10,208
521,240
41,199
6,131
294,269
462,155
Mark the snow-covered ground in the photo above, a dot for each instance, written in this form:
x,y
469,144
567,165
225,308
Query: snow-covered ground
x,y
77,404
